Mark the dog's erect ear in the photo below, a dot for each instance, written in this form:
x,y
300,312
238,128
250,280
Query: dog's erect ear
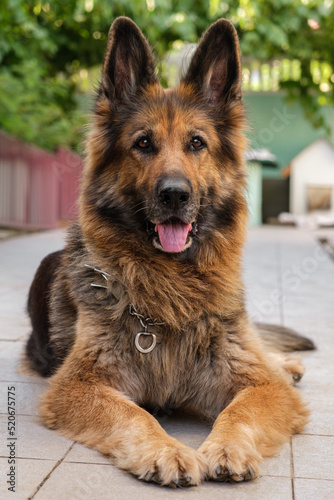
x,y
128,63
215,67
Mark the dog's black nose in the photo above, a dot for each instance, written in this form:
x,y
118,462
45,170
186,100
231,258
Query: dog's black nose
x,y
174,193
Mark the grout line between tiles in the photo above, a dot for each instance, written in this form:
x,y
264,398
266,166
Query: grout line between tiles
x,y
86,463
50,473
317,435
31,458
292,471
315,479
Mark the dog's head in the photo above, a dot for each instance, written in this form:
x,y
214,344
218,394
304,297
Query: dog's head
x,y
164,167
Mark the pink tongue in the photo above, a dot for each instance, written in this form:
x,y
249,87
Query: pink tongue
x,y
173,235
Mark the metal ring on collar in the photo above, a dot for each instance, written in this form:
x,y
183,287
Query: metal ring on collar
x,y
152,346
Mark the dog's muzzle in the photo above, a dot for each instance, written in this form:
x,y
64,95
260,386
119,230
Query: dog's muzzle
x,y
173,215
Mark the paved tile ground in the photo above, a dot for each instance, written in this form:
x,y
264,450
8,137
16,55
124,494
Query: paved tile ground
x,y
289,281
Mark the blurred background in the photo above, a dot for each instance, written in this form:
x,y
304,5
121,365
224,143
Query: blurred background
x,y
51,54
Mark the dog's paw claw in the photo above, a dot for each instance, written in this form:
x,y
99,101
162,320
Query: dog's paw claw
x,y
220,475
229,476
187,481
230,462
151,475
250,474
297,377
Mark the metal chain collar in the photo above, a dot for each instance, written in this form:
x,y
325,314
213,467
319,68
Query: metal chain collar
x,y
145,322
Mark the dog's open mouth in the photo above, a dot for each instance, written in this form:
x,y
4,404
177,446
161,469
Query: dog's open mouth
x,y
173,235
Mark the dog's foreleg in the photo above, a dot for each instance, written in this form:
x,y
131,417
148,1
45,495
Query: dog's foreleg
x,y
254,425
83,408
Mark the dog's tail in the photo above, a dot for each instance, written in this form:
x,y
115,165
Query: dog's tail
x,y
279,338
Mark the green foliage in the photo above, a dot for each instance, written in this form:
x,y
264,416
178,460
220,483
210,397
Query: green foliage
x,y
298,30
36,104
46,46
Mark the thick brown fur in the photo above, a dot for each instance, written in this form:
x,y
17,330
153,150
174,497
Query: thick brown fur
x,y
156,158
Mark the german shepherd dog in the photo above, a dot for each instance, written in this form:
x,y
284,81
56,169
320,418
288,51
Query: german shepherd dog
x,y
144,308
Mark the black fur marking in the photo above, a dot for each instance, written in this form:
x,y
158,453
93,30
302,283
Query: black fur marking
x,y
119,217
39,350
222,217
128,65
130,216
218,56
226,214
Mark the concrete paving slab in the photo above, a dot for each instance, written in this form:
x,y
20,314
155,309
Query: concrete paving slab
x,y
82,454
34,440
5,343
9,360
317,284
309,489
186,429
261,277
26,397
322,416
30,474
10,323
308,307
265,307
319,329
319,451
279,465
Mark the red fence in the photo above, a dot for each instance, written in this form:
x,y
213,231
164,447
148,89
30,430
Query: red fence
x,y
38,189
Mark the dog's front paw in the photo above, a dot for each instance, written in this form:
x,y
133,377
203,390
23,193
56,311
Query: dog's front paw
x,y
166,462
231,461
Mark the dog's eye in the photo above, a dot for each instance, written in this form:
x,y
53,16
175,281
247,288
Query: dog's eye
x,y
143,143
197,143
